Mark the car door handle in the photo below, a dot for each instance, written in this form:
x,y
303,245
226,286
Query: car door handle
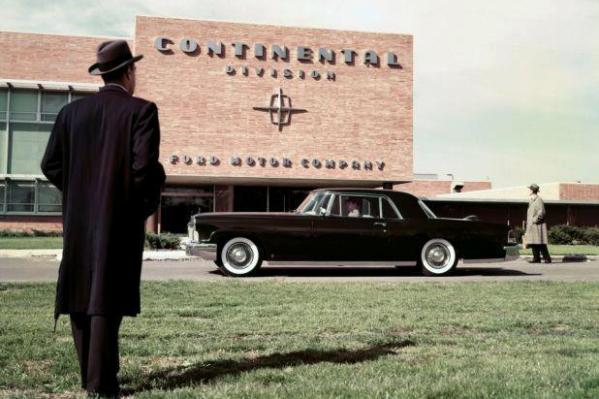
x,y
382,224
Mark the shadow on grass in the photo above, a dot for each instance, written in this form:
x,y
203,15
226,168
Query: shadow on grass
x,y
181,376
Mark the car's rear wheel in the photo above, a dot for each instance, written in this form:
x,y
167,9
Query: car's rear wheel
x,y
438,257
239,256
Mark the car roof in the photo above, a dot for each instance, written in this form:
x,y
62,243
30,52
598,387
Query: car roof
x,y
357,190
406,202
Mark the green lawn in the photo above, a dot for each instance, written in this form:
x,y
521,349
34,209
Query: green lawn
x,y
30,242
337,340
567,250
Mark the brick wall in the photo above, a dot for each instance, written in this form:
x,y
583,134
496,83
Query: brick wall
x,y
28,223
365,114
41,57
580,192
431,188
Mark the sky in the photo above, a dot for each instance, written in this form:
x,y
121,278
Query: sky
x,y
503,90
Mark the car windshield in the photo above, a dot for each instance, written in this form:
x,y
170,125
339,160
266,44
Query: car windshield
x,y
427,210
309,206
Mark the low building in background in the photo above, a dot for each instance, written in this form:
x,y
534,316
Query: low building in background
x,y
430,185
566,203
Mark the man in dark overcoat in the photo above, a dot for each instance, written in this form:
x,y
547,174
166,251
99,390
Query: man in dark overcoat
x,y
103,155
536,228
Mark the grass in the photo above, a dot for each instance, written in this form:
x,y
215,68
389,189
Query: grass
x,y
313,340
30,242
567,250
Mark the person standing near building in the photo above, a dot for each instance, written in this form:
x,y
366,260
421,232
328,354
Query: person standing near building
x,y
536,228
103,155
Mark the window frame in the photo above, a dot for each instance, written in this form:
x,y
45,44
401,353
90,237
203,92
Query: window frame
x,y
4,210
40,101
393,207
36,179
380,197
26,183
4,115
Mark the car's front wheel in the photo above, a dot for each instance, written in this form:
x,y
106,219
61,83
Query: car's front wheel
x,y
239,256
438,257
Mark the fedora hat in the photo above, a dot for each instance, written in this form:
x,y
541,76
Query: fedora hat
x,y
534,188
112,55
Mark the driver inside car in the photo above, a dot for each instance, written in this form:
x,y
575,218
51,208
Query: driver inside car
x,y
352,208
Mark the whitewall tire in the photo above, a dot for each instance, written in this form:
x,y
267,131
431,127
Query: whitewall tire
x,y
240,256
437,257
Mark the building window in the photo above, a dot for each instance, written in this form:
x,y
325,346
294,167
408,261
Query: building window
x,y
27,145
3,104
3,127
20,196
3,146
26,120
51,104
2,196
49,198
23,105
29,196
23,137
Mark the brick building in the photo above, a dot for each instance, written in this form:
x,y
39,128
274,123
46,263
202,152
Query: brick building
x,y
252,116
565,203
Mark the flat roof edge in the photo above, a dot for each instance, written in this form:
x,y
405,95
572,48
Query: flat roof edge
x,y
225,21
509,201
49,85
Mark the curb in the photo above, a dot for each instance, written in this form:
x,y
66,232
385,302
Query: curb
x,y
57,254
158,255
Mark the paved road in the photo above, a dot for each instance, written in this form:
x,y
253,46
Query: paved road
x,y
44,269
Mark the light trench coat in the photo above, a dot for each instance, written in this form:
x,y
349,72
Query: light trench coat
x,y
536,228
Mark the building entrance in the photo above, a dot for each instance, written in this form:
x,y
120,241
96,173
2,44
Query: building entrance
x,y
268,198
178,205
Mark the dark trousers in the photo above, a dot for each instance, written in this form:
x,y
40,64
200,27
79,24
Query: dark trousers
x,y
538,250
97,343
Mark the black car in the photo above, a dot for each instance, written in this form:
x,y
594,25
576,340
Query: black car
x,y
345,226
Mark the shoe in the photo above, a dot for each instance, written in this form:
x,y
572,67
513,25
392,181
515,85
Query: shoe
x,y
534,261
548,261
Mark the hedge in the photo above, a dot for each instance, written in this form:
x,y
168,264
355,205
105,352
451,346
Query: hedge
x,y
153,241
573,235
29,233
162,241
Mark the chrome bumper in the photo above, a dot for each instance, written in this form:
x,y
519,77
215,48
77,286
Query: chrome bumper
x,y
202,249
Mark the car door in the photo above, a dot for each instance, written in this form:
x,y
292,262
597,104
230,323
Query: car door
x,y
351,230
402,243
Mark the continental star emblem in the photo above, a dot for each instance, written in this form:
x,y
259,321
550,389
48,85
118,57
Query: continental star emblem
x,y
280,109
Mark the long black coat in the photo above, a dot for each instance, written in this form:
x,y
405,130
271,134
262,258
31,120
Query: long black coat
x,y
103,155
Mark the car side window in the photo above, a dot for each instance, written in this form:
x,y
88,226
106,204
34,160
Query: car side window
x,y
360,206
335,207
388,211
324,204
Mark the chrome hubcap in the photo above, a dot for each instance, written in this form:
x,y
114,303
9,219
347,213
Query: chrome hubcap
x,y
437,255
239,255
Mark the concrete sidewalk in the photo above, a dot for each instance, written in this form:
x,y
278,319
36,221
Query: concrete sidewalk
x,y
44,269
166,254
